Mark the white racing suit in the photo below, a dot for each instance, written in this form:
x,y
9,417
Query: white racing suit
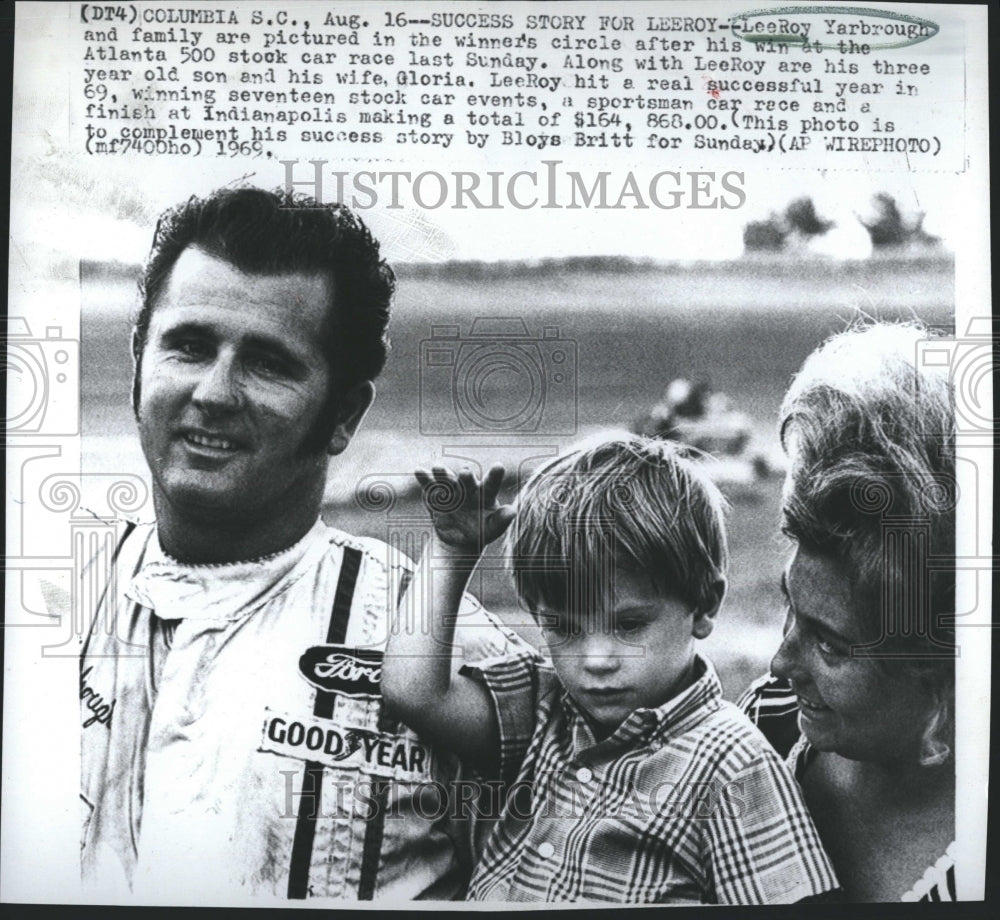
x,y
233,740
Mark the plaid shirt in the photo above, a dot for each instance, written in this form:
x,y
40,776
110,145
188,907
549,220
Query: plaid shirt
x,y
686,803
772,706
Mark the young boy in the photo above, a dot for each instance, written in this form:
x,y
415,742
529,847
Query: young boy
x,y
630,779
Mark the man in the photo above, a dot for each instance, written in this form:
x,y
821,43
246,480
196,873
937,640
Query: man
x,y
233,741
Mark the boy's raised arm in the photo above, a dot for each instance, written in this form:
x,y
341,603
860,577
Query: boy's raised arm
x,y
418,683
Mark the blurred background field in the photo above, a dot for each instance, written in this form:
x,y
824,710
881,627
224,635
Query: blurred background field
x,y
742,326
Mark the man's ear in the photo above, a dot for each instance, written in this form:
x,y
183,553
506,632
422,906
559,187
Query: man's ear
x,y
351,410
704,620
136,367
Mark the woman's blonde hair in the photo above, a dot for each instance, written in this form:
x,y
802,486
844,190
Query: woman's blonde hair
x,y
870,433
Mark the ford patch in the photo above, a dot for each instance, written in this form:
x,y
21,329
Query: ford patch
x,y
342,669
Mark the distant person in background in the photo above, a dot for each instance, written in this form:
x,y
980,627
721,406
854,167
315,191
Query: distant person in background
x,y
698,416
681,400
233,741
862,692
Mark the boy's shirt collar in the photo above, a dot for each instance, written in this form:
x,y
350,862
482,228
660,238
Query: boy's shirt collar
x,y
650,727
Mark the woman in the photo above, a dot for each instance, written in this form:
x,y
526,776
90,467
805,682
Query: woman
x,y
867,664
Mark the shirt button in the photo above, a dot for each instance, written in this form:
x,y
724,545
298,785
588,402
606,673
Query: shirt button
x,y
584,774
546,850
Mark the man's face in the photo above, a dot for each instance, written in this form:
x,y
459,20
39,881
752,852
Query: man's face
x,y
233,379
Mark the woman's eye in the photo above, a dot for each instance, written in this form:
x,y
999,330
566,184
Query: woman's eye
x,y
828,648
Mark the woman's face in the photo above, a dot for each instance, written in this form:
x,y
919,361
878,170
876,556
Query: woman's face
x,y
848,705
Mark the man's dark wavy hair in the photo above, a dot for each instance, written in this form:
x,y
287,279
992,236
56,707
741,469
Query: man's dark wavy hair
x,y
263,232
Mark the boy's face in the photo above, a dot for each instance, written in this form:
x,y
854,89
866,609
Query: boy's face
x,y
637,654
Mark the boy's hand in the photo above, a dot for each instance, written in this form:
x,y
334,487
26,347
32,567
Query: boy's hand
x,y
464,510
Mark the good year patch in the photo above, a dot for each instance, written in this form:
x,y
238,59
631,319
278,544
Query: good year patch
x,y
344,747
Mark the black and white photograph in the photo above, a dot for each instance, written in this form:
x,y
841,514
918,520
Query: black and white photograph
x,y
519,453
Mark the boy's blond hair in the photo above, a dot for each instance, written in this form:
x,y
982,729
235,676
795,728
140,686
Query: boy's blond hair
x,y
625,503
